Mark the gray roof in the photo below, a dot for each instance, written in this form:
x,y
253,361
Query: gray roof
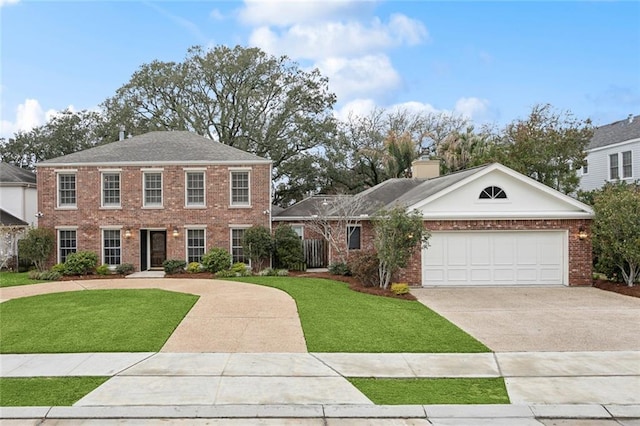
x,y
10,174
160,147
387,194
7,219
620,131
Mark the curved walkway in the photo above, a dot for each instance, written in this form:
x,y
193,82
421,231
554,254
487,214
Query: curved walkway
x,y
228,316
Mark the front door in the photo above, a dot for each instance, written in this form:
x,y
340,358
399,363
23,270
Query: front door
x,y
158,248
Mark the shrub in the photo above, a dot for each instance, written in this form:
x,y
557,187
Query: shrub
x,y
399,288
37,246
258,245
58,267
288,248
282,272
364,267
103,270
216,260
227,273
270,272
45,275
174,266
125,269
80,263
241,270
194,267
339,268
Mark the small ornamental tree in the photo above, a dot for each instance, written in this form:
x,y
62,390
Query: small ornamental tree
x,y
616,229
287,247
257,245
397,235
37,246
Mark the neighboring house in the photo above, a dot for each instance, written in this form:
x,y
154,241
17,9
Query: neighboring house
x,y
489,225
613,154
11,230
161,195
18,193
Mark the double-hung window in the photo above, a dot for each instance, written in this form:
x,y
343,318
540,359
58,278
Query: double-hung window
x,y
237,249
627,166
194,189
195,244
614,172
353,237
67,243
240,194
110,189
67,196
152,188
111,247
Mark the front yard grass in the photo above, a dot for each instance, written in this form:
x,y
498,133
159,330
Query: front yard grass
x,y
46,391
10,279
433,390
92,321
337,319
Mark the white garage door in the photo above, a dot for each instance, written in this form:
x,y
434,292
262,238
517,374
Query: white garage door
x,y
495,258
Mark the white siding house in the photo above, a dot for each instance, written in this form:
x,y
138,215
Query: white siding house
x,y
18,193
613,154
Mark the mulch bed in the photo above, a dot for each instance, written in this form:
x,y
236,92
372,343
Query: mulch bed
x,y
90,277
618,287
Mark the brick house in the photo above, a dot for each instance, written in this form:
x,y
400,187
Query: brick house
x,y
489,226
157,196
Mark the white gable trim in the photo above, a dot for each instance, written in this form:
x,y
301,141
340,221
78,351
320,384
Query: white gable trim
x,y
585,210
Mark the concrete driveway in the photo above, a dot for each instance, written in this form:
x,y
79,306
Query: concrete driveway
x,y
547,319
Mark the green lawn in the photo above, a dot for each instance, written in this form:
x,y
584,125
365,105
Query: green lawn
x,y
9,279
433,391
92,321
337,319
46,391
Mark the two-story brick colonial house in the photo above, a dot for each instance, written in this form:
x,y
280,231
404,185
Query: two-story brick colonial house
x,y
157,196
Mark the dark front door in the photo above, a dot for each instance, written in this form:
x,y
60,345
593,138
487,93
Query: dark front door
x,y
158,248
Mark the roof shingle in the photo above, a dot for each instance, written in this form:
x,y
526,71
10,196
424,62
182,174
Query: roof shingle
x,y
620,131
10,174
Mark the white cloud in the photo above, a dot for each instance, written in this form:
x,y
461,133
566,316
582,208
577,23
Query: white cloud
x,y
8,2
333,38
28,115
471,108
416,107
358,77
289,12
358,107
216,15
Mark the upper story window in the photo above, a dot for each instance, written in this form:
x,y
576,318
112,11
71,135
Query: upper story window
x,y
353,237
614,171
492,193
67,190
194,189
585,167
240,195
111,189
152,182
627,166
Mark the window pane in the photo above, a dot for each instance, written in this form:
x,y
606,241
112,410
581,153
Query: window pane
x,y
66,190
353,237
112,247
195,189
153,189
613,167
111,189
237,251
240,188
68,245
195,245
626,164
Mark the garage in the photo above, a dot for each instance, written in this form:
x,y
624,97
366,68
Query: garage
x,y
488,258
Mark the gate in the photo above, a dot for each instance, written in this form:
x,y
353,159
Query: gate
x,y
315,253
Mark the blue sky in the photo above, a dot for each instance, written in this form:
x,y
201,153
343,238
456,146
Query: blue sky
x,y
489,61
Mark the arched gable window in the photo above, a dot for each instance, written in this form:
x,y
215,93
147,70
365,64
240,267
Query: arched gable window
x,y
492,193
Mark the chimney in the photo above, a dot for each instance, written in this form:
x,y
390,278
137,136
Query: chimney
x,y
425,168
630,118
121,134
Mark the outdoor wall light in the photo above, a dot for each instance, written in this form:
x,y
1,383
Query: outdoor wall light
x,y
582,233
127,233
176,233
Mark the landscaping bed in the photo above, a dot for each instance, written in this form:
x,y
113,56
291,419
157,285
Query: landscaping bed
x,y
621,288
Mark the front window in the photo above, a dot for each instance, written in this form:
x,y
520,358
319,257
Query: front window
x,y
353,237
237,251
111,189
240,188
153,189
195,245
195,188
112,248
66,190
67,244
613,167
626,164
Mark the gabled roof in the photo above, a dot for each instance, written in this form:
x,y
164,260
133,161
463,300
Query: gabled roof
x,y
620,131
160,147
7,219
10,174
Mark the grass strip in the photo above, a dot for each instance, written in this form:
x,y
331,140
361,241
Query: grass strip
x,y
92,321
10,279
433,390
337,319
46,391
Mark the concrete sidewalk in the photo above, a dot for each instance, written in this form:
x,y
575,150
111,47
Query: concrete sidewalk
x,y
583,385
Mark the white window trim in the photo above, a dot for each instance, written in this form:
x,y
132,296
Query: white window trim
x,y
144,189
110,228
110,172
586,164
188,228
231,229
66,206
186,189
609,177
301,227
348,236
64,228
621,162
235,170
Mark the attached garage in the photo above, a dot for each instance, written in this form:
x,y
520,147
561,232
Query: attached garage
x,y
475,258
